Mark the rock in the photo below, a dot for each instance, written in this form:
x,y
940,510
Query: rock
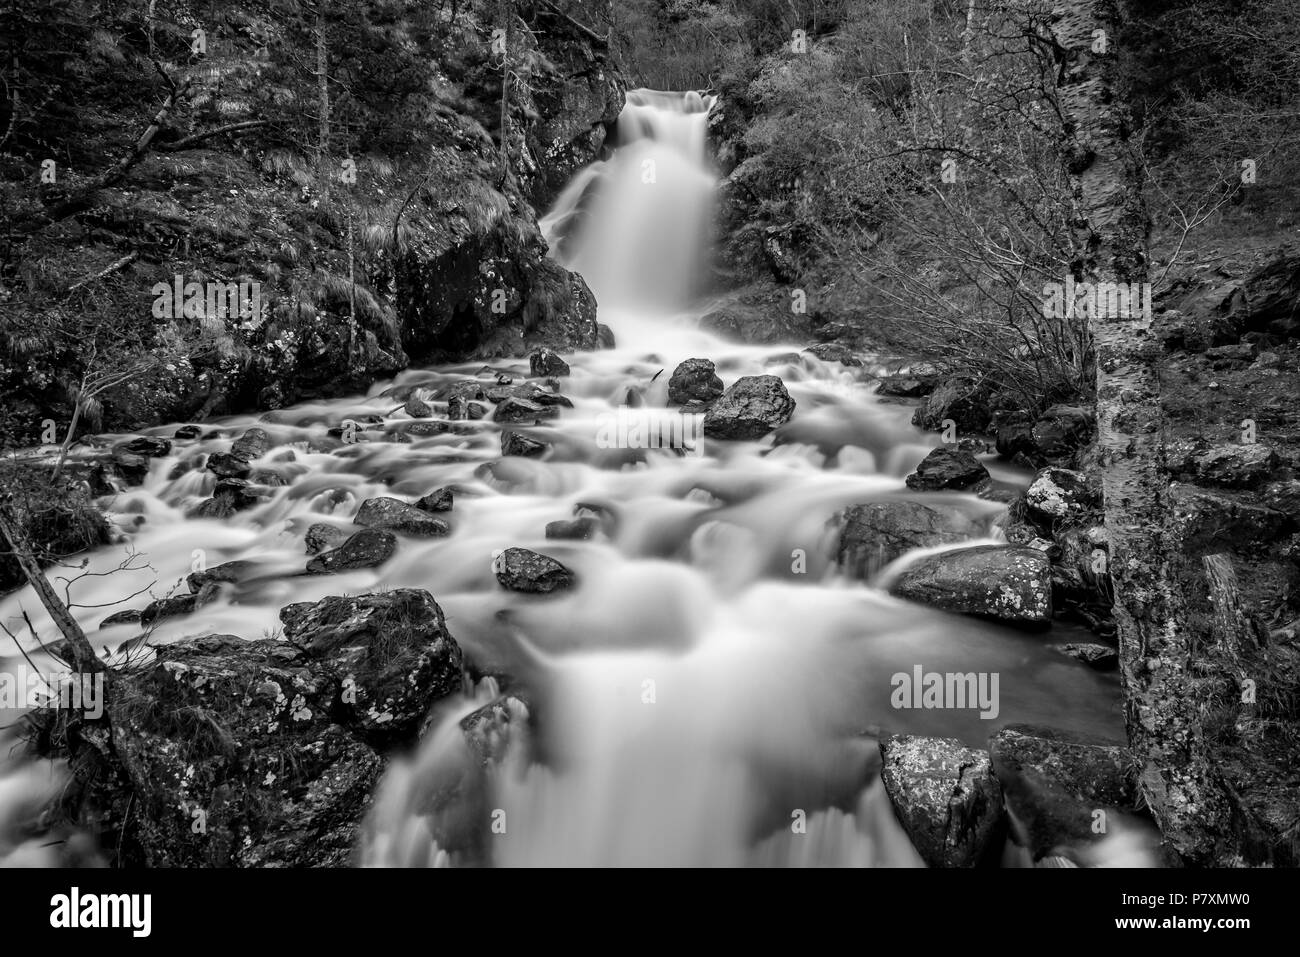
x,y
1060,495
528,392
230,495
694,380
516,410
439,500
514,443
368,548
1014,435
750,409
877,533
253,444
1101,657
544,363
148,446
1208,521
1007,583
177,605
131,467
188,432
905,386
948,468
398,516
1053,782
1234,466
128,617
228,465
416,407
519,569
944,795
321,537
834,352
231,572
577,529
489,731
965,402
604,336
395,648
423,429
1063,429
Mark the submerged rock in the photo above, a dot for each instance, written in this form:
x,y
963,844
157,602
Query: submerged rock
x,y
944,795
1006,582
948,468
575,529
366,549
398,516
750,409
520,569
877,533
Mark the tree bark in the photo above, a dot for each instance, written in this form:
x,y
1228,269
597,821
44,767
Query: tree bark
x,y
1164,723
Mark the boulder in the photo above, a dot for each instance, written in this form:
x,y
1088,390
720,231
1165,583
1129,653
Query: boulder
x,y
1060,495
876,533
416,407
965,402
368,548
544,363
516,410
439,500
515,443
397,516
253,444
322,536
1007,583
945,796
834,352
576,529
948,468
1100,657
147,445
519,569
694,380
177,605
227,572
189,432
1062,430
750,409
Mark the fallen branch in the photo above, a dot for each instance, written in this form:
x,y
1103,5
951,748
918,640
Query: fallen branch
x,y
189,141
587,32
129,257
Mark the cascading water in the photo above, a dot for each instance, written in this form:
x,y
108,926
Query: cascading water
x,y
711,679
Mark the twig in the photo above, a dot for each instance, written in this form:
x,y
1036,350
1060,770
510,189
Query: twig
x,y
129,257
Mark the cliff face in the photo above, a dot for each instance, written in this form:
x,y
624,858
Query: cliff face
x,y
341,162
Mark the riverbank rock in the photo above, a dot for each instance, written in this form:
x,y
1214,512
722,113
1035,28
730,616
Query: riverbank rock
x,y
523,570
1008,583
694,380
397,516
1100,657
544,364
876,533
368,548
1059,785
1060,496
1226,466
178,605
945,796
750,409
948,468
963,401
1062,430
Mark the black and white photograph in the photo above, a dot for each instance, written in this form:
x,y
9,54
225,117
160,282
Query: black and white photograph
x,y
625,434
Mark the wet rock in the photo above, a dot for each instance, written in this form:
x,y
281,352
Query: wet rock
x,y
528,392
416,407
1060,495
492,729
694,380
393,646
1053,782
877,533
522,411
368,548
189,432
227,572
604,336
944,795
1007,583
321,537
520,569
228,465
965,402
230,495
577,529
177,605
948,468
130,468
1100,657
913,383
750,409
1229,466
834,352
398,516
147,445
1014,435
544,363
1062,430
253,444
128,617
439,500
422,430
515,443
1081,586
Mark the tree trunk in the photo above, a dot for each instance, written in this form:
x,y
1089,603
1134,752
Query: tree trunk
x,y
323,99
1164,724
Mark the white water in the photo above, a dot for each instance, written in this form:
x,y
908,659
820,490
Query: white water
x,y
714,581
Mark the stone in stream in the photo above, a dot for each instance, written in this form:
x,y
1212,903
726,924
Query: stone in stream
x,y
366,549
965,402
188,432
574,529
424,429
1060,495
1054,783
515,443
520,569
544,363
694,381
1061,430
491,730
522,411
945,796
948,468
231,495
1006,582
177,605
228,572
147,445
876,533
439,500
322,536
1100,657
750,409
394,646
604,336
834,352
128,617
253,444
131,467
398,516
